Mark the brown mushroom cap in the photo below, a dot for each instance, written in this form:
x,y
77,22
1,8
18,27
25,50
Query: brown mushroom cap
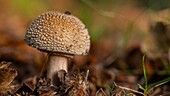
x,y
58,32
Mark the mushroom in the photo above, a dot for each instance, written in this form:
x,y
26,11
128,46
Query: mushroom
x,y
60,34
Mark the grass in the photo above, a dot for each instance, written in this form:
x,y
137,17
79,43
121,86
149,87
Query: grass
x,y
111,88
147,89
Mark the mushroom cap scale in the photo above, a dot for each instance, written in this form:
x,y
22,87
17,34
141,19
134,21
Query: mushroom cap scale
x,y
58,32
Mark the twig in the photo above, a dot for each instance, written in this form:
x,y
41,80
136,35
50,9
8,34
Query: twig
x,y
125,88
101,91
87,74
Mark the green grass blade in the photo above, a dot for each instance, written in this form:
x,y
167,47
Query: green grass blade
x,y
140,86
111,88
144,72
159,83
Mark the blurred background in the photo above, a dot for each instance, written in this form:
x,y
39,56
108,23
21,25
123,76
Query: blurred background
x,y
120,33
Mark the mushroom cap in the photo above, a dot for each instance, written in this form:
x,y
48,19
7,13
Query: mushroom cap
x,y
58,33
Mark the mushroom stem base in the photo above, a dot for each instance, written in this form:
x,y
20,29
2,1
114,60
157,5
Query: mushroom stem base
x,y
56,63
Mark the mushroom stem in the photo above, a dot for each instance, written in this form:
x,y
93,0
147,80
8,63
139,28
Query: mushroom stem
x,y
56,63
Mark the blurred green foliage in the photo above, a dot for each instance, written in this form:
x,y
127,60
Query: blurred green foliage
x,y
29,8
97,32
86,8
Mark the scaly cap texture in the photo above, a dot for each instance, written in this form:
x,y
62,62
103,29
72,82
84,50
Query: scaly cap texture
x,y
58,32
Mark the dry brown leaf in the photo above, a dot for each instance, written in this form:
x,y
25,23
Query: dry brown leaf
x,y
7,75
